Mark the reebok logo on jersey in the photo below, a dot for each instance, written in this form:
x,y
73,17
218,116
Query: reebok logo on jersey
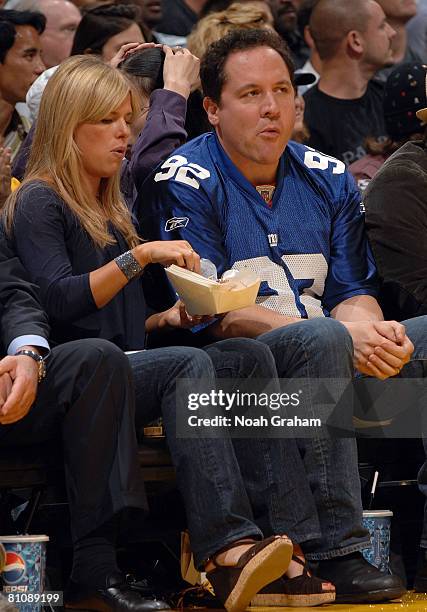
x,y
273,240
176,223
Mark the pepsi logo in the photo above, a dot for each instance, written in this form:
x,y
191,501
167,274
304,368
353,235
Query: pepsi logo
x,y
15,568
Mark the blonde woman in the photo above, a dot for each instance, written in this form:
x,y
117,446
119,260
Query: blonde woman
x,y
74,234
242,15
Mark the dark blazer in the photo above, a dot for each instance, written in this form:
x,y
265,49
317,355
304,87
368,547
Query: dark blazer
x,y
20,309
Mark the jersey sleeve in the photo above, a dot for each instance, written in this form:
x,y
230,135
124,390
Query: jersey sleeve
x,y
179,207
351,266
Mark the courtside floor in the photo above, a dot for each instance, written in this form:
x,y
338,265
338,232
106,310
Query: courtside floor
x,y
412,602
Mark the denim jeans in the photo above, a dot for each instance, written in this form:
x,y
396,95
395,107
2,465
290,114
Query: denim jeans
x,y
231,488
322,348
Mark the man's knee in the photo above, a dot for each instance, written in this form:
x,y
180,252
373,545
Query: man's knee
x,y
93,353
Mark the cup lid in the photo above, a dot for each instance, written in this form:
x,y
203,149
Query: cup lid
x,y
7,539
377,513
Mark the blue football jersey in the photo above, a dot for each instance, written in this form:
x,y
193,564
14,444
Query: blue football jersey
x,y
307,245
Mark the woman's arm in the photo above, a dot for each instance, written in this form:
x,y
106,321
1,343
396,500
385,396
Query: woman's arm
x,y
45,242
107,281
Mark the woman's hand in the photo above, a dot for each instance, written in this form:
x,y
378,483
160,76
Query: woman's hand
x,y
177,317
167,252
180,71
128,49
5,175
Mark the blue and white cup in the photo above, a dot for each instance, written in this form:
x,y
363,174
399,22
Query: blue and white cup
x,y
25,566
378,523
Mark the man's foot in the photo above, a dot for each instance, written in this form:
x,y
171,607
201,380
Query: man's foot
x,y
357,581
420,582
235,583
117,596
297,588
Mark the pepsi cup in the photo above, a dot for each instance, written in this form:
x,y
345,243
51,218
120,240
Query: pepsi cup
x,y
24,569
378,522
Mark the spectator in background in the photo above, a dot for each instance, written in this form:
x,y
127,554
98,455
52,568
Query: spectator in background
x,y
151,12
243,15
396,218
102,31
105,28
313,65
404,95
20,65
5,174
353,40
180,16
62,19
398,13
285,23
417,30
164,79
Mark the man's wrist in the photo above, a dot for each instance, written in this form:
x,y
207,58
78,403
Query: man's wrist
x,y
35,356
34,349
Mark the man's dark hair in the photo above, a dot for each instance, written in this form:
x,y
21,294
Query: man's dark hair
x,y
212,69
8,22
100,23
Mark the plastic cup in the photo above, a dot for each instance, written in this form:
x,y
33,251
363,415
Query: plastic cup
x,y
24,569
378,523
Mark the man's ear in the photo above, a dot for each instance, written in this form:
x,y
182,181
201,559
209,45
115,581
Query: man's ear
x,y
355,43
211,109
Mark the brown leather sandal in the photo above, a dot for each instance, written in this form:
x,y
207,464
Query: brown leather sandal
x,y
261,564
301,591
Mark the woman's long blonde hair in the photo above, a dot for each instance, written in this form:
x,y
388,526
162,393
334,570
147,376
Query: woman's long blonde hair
x,y
238,16
82,90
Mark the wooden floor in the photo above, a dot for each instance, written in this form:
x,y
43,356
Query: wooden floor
x,y
412,602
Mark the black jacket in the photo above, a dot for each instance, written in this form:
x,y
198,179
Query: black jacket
x,y
20,309
396,220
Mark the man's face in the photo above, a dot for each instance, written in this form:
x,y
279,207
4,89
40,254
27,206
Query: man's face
x,y
401,10
284,14
151,11
62,17
377,39
256,113
22,65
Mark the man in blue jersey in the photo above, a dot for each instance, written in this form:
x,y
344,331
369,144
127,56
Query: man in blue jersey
x,y
245,197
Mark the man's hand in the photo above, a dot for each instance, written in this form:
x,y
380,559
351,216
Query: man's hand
x,y
5,388
381,348
23,374
177,317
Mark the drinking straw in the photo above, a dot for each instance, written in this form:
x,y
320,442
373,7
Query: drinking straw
x,y
374,486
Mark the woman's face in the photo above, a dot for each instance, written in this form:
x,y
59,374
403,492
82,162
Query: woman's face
x,y
132,34
103,144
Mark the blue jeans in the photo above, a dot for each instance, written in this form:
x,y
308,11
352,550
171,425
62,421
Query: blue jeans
x,y
231,488
322,348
